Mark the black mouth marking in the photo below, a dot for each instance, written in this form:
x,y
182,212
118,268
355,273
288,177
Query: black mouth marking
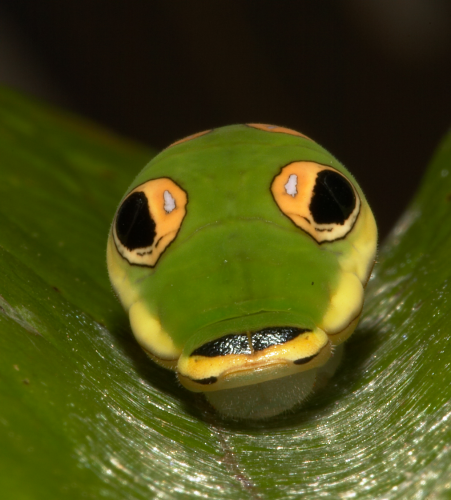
x,y
303,361
239,343
207,381
275,336
229,344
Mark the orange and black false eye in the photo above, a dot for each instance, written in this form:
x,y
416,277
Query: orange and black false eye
x,y
318,199
148,220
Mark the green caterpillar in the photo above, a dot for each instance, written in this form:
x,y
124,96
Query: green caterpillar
x,y
241,255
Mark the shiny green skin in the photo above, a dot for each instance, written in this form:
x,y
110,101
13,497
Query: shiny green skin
x,y
236,253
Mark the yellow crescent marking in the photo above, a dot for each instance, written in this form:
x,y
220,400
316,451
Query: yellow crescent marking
x,y
276,129
189,138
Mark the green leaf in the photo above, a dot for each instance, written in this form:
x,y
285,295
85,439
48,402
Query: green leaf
x,y
85,414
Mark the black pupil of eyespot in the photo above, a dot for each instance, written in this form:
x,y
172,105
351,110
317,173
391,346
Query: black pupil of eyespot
x,y
333,199
135,228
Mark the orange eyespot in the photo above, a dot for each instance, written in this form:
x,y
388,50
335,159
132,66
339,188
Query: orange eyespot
x,y
148,220
318,199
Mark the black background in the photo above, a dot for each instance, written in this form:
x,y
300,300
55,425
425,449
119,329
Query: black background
x,y
369,80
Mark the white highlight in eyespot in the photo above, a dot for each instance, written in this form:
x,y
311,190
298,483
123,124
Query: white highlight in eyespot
x,y
290,186
169,202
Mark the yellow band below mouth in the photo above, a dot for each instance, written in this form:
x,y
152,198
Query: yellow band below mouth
x,y
257,372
